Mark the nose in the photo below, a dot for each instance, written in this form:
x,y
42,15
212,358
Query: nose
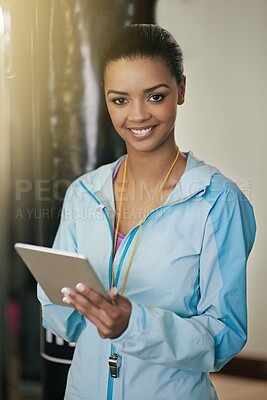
x,y
138,112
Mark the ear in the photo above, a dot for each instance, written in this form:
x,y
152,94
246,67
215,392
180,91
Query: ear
x,y
181,91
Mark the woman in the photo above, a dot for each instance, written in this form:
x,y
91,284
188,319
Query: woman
x,y
169,237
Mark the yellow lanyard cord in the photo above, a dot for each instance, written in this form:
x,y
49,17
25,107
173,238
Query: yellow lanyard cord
x,y
140,223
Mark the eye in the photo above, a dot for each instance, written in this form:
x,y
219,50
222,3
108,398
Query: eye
x,y
156,98
119,101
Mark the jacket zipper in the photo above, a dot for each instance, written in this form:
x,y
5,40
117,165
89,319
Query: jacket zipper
x,y
112,349
130,239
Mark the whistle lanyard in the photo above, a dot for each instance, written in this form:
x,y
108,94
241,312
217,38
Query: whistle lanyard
x,y
147,211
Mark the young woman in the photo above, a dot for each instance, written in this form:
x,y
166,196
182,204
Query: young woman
x,y
169,237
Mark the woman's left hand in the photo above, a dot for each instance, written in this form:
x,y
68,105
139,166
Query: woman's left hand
x,y
110,318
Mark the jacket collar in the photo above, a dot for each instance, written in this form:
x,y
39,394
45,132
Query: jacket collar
x,y
195,179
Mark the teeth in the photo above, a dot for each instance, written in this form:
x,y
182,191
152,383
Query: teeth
x,y
141,132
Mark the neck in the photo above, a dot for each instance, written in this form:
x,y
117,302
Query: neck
x,y
150,166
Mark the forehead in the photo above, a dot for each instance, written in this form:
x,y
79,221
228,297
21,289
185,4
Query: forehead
x,y
143,71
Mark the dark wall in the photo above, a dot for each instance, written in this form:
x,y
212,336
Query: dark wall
x,y
54,126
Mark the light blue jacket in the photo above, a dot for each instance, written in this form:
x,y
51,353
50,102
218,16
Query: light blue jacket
x,y
187,286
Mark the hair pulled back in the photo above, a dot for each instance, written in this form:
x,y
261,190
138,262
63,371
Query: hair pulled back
x,y
145,41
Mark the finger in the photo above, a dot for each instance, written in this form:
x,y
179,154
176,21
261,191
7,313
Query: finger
x,y
78,301
67,291
94,312
103,330
103,322
81,302
83,306
69,296
94,297
110,319
116,298
84,292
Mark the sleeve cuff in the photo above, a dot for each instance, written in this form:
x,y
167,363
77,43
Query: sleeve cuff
x,y
137,324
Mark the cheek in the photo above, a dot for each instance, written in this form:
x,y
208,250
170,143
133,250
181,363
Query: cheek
x,y
112,113
168,113
116,116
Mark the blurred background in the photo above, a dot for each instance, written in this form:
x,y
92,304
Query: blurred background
x,y
54,126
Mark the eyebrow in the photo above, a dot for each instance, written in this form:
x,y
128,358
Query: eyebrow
x,y
149,90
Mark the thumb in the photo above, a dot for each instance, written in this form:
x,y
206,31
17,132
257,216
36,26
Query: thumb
x,y
113,294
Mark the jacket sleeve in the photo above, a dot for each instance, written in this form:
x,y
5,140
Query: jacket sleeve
x,y
209,339
63,321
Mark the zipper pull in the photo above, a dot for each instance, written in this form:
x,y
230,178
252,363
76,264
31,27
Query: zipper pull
x,y
114,363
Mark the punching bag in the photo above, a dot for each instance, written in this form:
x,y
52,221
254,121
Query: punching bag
x,y
81,134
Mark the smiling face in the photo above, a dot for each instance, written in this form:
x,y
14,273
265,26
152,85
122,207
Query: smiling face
x,y
142,98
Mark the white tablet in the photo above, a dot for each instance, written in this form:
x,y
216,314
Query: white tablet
x,y
55,269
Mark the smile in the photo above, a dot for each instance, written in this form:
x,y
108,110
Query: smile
x,y
142,132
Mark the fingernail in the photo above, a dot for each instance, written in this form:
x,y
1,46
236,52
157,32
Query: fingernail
x,y
66,299
80,287
65,290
